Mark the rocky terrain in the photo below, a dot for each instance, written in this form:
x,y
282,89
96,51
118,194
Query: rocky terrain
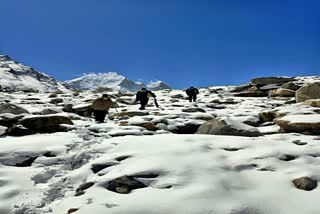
x,y
251,149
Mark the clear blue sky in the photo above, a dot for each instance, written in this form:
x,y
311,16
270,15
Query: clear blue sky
x,y
183,42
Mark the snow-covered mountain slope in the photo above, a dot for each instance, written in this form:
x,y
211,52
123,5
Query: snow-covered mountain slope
x,y
158,85
136,159
15,76
111,80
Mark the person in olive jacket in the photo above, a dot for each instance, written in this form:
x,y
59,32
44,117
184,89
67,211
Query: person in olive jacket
x,y
101,106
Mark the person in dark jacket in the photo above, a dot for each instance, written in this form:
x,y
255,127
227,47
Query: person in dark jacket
x,y
143,96
192,93
101,107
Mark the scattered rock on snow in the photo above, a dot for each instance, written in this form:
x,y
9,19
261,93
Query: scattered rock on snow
x,y
291,86
282,92
271,80
8,119
300,123
305,183
227,126
132,113
84,186
308,91
56,101
46,124
12,109
312,102
124,185
189,110
72,210
285,157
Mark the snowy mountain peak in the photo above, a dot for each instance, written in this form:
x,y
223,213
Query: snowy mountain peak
x,y
158,85
111,80
15,76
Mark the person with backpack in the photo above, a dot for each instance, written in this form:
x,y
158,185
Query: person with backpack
x,y
101,106
192,93
143,96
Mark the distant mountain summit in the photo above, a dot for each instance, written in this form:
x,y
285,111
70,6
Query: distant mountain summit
x,y
158,85
111,80
15,76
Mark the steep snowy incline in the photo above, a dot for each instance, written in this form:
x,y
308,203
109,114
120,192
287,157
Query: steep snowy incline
x,y
15,76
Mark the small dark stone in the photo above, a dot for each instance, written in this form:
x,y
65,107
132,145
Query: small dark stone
x,y
231,149
147,175
124,185
79,193
305,183
49,155
72,210
285,157
98,167
121,158
84,186
299,142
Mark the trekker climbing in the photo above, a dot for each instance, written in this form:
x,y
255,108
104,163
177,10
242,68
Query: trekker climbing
x,y
192,93
101,107
143,96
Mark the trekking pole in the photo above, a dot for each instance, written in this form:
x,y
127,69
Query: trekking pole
x,y
116,109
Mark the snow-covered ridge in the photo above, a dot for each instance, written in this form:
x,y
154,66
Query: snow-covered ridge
x,y
111,80
15,76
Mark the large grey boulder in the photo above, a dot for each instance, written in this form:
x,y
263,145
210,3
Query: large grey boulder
x,y
8,119
40,124
308,91
271,80
227,126
282,92
83,109
291,86
312,102
300,123
12,109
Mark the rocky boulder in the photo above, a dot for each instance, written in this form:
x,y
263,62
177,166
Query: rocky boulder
x,y
147,125
177,96
267,116
282,92
132,113
312,102
41,124
12,109
305,183
124,185
82,109
227,126
291,86
308,91
56,101
8,119
271,80
193,109
300,123
47,111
